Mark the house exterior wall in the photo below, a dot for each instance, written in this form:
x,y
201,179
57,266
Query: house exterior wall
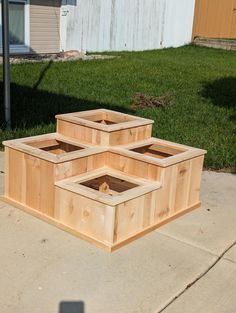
x,y
215,19
116,25
42,27
45,26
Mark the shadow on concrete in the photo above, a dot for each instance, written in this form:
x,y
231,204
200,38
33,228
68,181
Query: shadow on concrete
x,y
31,107
71,307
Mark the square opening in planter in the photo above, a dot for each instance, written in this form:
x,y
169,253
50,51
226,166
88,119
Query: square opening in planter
x,y
54,146
104,127
158,150
109,184
107,118
104,120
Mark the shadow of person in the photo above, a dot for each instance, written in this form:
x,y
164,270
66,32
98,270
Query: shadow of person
x,y
71,307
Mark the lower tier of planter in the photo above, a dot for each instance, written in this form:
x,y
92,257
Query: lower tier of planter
x,y
105,204
108,196
101,244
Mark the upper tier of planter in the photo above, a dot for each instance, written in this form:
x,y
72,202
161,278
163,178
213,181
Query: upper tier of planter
x,y
104,127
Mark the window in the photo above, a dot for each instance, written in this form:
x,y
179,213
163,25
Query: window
x,y
17,23
18,26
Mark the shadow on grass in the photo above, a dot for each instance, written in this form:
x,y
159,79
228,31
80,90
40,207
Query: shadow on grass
x,y
71,307
31,107
221,92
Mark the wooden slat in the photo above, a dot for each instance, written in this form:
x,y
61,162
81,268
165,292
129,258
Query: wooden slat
x,y
15,175
195,180
182,185
33,182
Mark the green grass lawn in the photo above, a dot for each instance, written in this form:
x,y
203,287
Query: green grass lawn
x,y
200,82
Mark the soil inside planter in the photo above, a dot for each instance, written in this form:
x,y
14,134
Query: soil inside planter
x,y
107,118
54,146
109,184
158,151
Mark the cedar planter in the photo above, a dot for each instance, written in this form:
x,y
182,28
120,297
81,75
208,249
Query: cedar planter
x,y
102,177
106,206
34,164
104,127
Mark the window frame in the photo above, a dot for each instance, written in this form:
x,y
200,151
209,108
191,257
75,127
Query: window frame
x,y
25,48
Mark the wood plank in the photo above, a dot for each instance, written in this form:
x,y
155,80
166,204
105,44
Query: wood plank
x,y
33,182
129,218
15,175
7,171
47,190
195,181
182,186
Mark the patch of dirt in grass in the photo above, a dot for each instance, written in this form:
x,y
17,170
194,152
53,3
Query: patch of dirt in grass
x,y
141,100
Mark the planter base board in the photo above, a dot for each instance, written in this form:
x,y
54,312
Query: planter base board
x,y
107,247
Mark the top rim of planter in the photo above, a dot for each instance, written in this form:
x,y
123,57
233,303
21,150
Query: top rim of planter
x,y
27,145
104,120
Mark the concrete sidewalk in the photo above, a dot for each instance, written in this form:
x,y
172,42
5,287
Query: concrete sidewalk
x,y
187,266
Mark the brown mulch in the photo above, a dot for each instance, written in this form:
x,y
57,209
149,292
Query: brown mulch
x,y
140,100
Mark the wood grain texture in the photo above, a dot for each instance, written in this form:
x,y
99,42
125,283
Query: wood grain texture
x,y
30,180
104,127
133,166
84,215
89,135
151,228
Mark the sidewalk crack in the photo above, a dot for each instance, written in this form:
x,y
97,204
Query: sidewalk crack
x,y
198,278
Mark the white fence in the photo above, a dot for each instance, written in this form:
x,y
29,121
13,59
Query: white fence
x,y
116,25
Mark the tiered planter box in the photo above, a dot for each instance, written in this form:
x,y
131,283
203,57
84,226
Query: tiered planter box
x,y
102,177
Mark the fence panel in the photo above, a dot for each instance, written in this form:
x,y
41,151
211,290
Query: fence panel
x,y
215,19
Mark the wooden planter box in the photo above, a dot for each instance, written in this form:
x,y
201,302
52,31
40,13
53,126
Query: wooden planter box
x,y
104,127
106,206
33,165
177,167
111,193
